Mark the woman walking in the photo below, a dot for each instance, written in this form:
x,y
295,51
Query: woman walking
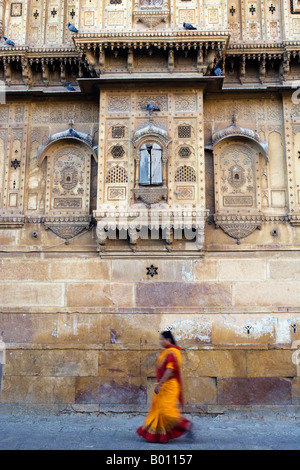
x,y
164,420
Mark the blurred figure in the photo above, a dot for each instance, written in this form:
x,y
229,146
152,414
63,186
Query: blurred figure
x,y
164,420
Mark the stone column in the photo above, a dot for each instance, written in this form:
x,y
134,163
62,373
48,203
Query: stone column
x,y
2,5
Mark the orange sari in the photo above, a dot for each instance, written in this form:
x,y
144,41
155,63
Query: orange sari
x,y
164,420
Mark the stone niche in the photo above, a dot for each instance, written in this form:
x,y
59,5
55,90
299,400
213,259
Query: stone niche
x,y
237,152
67,211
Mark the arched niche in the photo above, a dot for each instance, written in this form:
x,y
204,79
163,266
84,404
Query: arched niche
x,y
68,184
238,196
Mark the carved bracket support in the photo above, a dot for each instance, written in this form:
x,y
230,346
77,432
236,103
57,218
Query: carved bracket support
x,y
151,18
67,227
238,227
151,195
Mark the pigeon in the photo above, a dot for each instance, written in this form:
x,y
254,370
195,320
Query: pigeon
x,y
9,42
151,107
72,28
73,133
70,87
188,26
217,71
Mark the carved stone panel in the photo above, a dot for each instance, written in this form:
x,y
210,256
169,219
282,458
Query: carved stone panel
x,y
235,176
14,170
148,155
67,210
68,180
237,187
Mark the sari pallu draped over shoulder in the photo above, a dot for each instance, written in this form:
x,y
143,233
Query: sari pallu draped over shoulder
x,y
170,358
164,420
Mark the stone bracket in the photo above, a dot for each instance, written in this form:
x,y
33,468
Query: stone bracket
x,y
67,227
151,195
151,18
238,226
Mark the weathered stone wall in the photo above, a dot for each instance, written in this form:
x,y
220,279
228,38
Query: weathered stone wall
x,y
83,331
80,317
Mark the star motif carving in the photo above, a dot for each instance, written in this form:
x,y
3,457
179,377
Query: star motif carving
x,y
152,271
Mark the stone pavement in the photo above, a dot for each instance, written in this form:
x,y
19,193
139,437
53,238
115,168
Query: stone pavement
x,y
21,430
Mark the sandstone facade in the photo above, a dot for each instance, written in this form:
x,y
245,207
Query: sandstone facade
x,y
117,221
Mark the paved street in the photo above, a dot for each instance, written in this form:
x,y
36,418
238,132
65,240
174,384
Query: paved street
x,y
19,431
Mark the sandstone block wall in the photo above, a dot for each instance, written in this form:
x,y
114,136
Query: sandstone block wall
x,y
83,331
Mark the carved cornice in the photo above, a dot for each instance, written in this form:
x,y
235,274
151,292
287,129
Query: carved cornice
x,y
67,134
158,39
265,46
151,130
294,219
37,52
12,221
234,130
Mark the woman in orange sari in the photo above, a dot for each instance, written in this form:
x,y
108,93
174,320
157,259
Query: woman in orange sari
x,y
164,420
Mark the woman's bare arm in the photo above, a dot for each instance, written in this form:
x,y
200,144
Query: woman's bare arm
x,y
167,375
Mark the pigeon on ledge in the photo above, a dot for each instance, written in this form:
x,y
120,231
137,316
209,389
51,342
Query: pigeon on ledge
x,y
217,71
70,87
72,28
151,107
9,42
73,133
188,26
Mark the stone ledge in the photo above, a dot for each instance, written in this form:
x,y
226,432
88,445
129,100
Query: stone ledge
x,y
261,413
240,310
